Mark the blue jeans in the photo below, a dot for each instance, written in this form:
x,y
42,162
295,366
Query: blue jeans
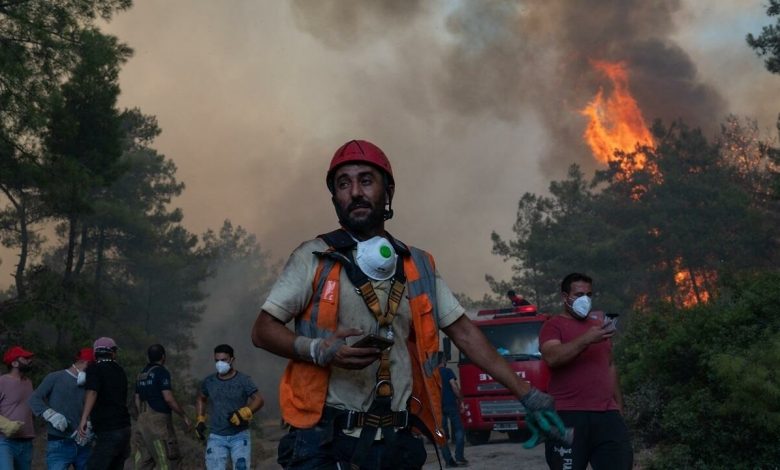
x,y
60,454
456,427
15,454
237,447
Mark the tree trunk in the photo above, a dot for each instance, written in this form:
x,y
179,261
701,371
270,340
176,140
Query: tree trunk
x,y
695,286
99,260
71,248
24,242
82,250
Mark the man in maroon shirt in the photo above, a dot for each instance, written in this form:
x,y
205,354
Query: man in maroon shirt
x,y
576,345
16,419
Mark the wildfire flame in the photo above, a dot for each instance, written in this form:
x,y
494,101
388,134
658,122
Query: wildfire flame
x,y
616,124
615,120
691,284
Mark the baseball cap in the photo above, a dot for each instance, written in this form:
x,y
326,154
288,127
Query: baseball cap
x,y
104,344
85,354
14,353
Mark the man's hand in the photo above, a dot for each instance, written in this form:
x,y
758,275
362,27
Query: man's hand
x,y
597,334
83,440
542,420
536,400
539,425
333,350
200,428
240,416
9,427
57,420
187,422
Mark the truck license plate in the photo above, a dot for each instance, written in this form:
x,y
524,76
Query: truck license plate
x,y
505,427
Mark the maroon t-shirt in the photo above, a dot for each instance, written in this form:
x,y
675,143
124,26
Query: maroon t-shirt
x,y
585,383
14,397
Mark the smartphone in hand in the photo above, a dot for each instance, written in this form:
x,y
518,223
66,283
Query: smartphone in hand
x,y
373,341
610,321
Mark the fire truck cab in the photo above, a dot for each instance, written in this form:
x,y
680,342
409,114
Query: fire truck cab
x,y
488,405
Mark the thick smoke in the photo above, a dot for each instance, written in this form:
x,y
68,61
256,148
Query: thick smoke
x,y
343,23
507,57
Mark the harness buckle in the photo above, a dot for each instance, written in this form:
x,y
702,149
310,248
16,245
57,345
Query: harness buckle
x,y
351,420
379,384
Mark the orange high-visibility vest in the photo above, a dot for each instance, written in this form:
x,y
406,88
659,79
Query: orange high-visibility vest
x,y
304,385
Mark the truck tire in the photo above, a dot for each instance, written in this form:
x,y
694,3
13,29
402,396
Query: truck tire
x,y
477,438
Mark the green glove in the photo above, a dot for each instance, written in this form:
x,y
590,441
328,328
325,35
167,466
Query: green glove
x,y
539,423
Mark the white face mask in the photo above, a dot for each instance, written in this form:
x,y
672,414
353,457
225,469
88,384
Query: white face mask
x,y
581,306
376,258
81,378
222,367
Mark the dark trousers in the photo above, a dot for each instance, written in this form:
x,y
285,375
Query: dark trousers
x,y
601,438
323,449
451,415
111,450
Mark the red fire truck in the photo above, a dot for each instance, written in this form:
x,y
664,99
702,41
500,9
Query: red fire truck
x,y
488,405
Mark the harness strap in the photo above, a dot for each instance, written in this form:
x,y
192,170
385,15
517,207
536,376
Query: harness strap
x,y
342,244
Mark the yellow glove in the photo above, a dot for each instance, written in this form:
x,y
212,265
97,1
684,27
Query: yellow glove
x,y
241,416
200,428
9,427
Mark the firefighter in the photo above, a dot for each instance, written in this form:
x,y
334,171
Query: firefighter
x,y
154,437
349,405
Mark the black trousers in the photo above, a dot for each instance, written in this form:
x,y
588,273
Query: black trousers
x,y
601,438
324,449
111,450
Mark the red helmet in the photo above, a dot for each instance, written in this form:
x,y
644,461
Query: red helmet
x,y
359,151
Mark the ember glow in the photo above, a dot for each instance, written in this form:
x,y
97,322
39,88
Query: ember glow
x,y
692,284
615,120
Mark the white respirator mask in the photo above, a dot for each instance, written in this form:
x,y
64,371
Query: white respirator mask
x,y
377,258
581,306
222,367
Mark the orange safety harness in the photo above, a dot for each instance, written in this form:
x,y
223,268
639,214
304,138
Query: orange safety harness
x,y
304,385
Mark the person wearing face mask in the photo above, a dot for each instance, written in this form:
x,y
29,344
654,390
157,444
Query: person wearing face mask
x,y
59,399
362,386
232,400
16,419
154,437
577,347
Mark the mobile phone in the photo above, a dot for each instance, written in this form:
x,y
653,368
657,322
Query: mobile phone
x,y
610,320
373,341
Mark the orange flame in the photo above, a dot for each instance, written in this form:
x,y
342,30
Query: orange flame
x,y
691,285
616,122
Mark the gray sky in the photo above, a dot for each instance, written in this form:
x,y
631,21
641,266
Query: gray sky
x,y
475,103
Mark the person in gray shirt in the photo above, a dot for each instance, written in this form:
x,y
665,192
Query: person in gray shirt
x,y
59,399
232,400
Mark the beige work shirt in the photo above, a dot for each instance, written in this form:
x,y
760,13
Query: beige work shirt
x,y
353,389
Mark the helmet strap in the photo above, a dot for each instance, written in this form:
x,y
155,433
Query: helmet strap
x,y
389,191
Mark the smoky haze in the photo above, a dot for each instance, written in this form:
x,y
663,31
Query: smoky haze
x,y
475,103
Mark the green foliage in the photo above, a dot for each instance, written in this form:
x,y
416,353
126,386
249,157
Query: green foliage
x,y
688,210
767,44
701,385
